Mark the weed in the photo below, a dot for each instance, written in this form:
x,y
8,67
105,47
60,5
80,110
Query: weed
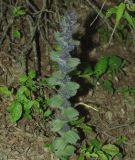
x,y
26,100
108,86
121,140
97,150
122,11
109,65
126,91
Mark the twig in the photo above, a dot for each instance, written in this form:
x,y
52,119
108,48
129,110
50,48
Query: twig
x,y
86,105
120,126
101,14
98,13
6,31
111,37
34,45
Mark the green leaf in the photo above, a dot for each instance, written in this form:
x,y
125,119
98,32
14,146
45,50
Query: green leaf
x,y
121,139
32,74
130,19
108,86
58,145
28,105
111,11
120,12
82,152
81,157
73,85
18,11
55,56
91,155
71,137
85,127
23,78
47,113
110,149
102,155
15,111
71,88
130,7
73,62
56,101
55,79
68,150
87,72
22,94
70,114
17,34
79,121
57,125
101,66
5,91
115,62
96,144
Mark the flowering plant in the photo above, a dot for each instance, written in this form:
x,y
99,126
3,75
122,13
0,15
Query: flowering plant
x,y
64,145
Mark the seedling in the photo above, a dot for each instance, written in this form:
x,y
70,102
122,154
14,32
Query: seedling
x,y
18,11
17,34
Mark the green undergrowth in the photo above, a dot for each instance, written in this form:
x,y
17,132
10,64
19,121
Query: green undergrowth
x,y
104,73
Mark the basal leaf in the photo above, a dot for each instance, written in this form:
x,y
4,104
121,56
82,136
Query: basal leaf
x,y
70,114
73,62
71,137
57,125
56,78
55,56
68,150
58,145
72,87
56,101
